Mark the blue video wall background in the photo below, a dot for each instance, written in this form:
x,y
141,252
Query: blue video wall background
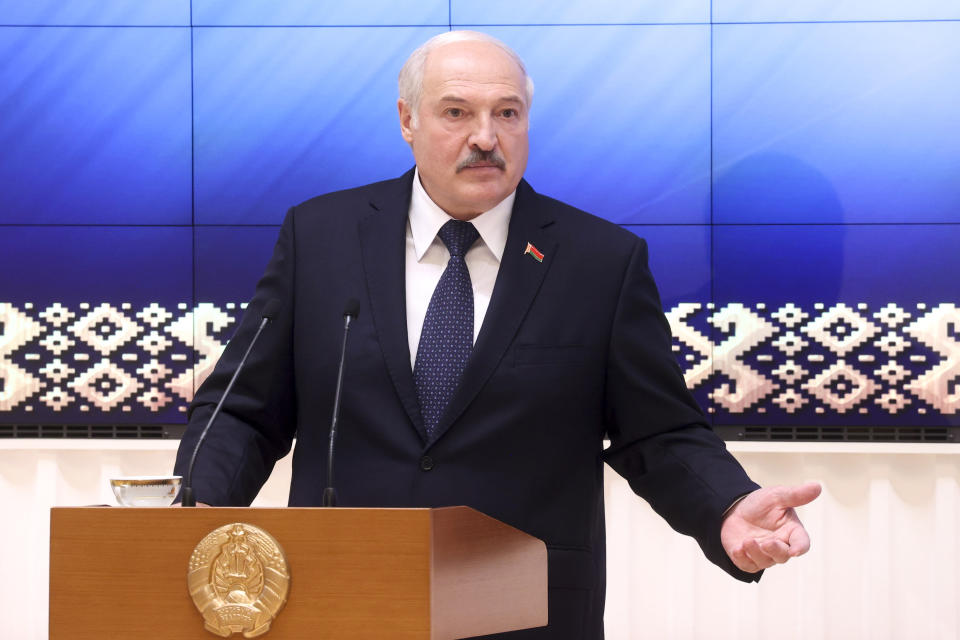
x,y
795,168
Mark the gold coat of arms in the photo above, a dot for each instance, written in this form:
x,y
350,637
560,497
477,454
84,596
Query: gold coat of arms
x,y
238,579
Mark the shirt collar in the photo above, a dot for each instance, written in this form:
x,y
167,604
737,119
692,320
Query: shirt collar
x,y
426,218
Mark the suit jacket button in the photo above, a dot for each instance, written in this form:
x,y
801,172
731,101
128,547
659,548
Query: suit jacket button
x,y
426,463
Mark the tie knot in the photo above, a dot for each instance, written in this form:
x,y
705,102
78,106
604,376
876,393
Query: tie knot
x,y
459,236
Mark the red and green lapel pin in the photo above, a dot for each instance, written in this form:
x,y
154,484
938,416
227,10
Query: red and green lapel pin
x,y
533,252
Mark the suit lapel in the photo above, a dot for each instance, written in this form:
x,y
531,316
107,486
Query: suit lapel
x,y
382,242
518,281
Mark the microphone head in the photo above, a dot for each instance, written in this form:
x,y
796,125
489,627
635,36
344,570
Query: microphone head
x,y
352,309
270,309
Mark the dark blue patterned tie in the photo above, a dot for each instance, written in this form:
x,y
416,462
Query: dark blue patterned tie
x,y
447,337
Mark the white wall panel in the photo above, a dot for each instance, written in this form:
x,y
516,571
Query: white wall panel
x,y
883,564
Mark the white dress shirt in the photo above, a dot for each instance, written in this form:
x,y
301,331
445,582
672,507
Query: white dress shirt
x,y
427,257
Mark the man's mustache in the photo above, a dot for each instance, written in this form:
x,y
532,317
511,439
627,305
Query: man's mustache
x,y
478,156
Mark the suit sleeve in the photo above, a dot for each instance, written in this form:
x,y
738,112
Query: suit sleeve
x,y
660,440
257,423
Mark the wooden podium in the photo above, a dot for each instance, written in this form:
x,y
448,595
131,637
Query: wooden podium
x,y
435,574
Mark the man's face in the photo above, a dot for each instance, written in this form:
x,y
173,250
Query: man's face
x,y
470,142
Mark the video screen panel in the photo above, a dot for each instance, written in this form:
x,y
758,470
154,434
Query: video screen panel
x,y
256,13
836,123
96,12
597,141
95,125
96,324
833,11
546,12
285,114
825,333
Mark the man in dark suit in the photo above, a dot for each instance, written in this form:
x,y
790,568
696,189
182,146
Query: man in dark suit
x,y
502,335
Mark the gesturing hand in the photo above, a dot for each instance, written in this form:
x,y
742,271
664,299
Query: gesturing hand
x,y
763,529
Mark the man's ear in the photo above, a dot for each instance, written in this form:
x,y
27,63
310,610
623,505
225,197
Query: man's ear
x,y
406,120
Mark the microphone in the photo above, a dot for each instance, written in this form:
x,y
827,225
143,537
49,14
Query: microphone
x,y
187,499
350,312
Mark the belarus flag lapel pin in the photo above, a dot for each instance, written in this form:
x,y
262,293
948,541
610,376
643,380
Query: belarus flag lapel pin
x,y
533,251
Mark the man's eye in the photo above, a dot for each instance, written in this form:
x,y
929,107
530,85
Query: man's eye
x,y
454,113
509,113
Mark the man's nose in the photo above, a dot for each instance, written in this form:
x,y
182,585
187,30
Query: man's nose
x,y
484,134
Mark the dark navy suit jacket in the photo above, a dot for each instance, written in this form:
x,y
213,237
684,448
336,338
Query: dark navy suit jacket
x,y
573,349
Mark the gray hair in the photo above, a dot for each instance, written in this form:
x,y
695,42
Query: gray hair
x,y
411,75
